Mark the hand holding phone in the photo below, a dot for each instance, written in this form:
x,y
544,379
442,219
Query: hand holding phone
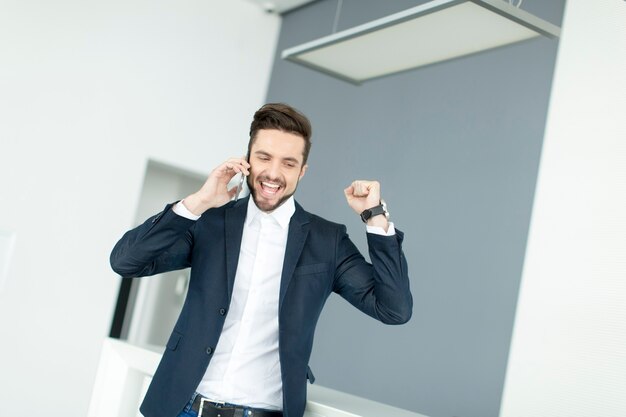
x,y
215,192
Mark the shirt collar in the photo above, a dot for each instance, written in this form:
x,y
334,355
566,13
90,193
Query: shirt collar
x,y
282,215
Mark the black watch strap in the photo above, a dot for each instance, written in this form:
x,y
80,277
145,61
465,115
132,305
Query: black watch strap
x,y
371,212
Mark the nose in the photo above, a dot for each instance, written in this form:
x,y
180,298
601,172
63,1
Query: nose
x,y
273,171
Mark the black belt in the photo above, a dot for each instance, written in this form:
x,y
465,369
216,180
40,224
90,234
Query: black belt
x,y
213,409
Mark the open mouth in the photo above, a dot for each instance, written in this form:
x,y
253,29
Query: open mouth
x,y
270,188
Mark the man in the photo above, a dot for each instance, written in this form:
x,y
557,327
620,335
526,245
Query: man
x,y
261,271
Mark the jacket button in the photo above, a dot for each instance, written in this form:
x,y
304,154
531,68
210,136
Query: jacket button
x,y
222,311
209,350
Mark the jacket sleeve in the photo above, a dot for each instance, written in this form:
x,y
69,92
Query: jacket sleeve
x,y
380,289
162,243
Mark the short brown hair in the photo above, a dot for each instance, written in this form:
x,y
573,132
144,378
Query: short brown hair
x,y
282,117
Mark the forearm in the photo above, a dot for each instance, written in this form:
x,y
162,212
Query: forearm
x,y
197,204
394,302
380,289
161,243
379,221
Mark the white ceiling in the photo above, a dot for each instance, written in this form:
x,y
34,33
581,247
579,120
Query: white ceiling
x,y
279,6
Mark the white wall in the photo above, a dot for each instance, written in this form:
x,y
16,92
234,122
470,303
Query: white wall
x,y
568,354
88,92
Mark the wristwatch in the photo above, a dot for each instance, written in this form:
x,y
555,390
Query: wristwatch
x,y
375,211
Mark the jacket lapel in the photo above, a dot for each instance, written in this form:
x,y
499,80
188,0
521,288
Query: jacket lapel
x,y
296,237
235,217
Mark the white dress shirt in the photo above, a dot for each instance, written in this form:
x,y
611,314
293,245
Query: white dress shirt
x,y
245,367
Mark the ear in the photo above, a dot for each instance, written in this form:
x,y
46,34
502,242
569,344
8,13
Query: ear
x,y
302,171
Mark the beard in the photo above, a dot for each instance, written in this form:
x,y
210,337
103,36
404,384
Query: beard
x,y
264,205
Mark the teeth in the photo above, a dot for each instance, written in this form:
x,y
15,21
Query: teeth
x,y
266,184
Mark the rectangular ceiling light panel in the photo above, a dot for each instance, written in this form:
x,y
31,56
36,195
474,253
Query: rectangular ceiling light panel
x,y
434,32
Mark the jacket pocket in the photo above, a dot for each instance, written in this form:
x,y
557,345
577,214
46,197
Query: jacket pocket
x,y
173,341
311,269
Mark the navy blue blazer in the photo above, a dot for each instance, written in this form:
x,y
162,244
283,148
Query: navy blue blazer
x,y
319,259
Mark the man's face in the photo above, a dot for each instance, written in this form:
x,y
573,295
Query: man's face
x,y
276,166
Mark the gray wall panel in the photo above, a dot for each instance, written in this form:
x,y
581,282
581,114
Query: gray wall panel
x,y
456,147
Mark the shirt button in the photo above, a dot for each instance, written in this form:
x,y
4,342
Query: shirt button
x,y
209,350
222,311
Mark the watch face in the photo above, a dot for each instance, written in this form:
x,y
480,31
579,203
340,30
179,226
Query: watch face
x,y
366,214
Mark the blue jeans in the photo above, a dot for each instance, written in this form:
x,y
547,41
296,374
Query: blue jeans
x,y
187,411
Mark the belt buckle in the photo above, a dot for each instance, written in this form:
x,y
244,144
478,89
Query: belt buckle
x,y
203,400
